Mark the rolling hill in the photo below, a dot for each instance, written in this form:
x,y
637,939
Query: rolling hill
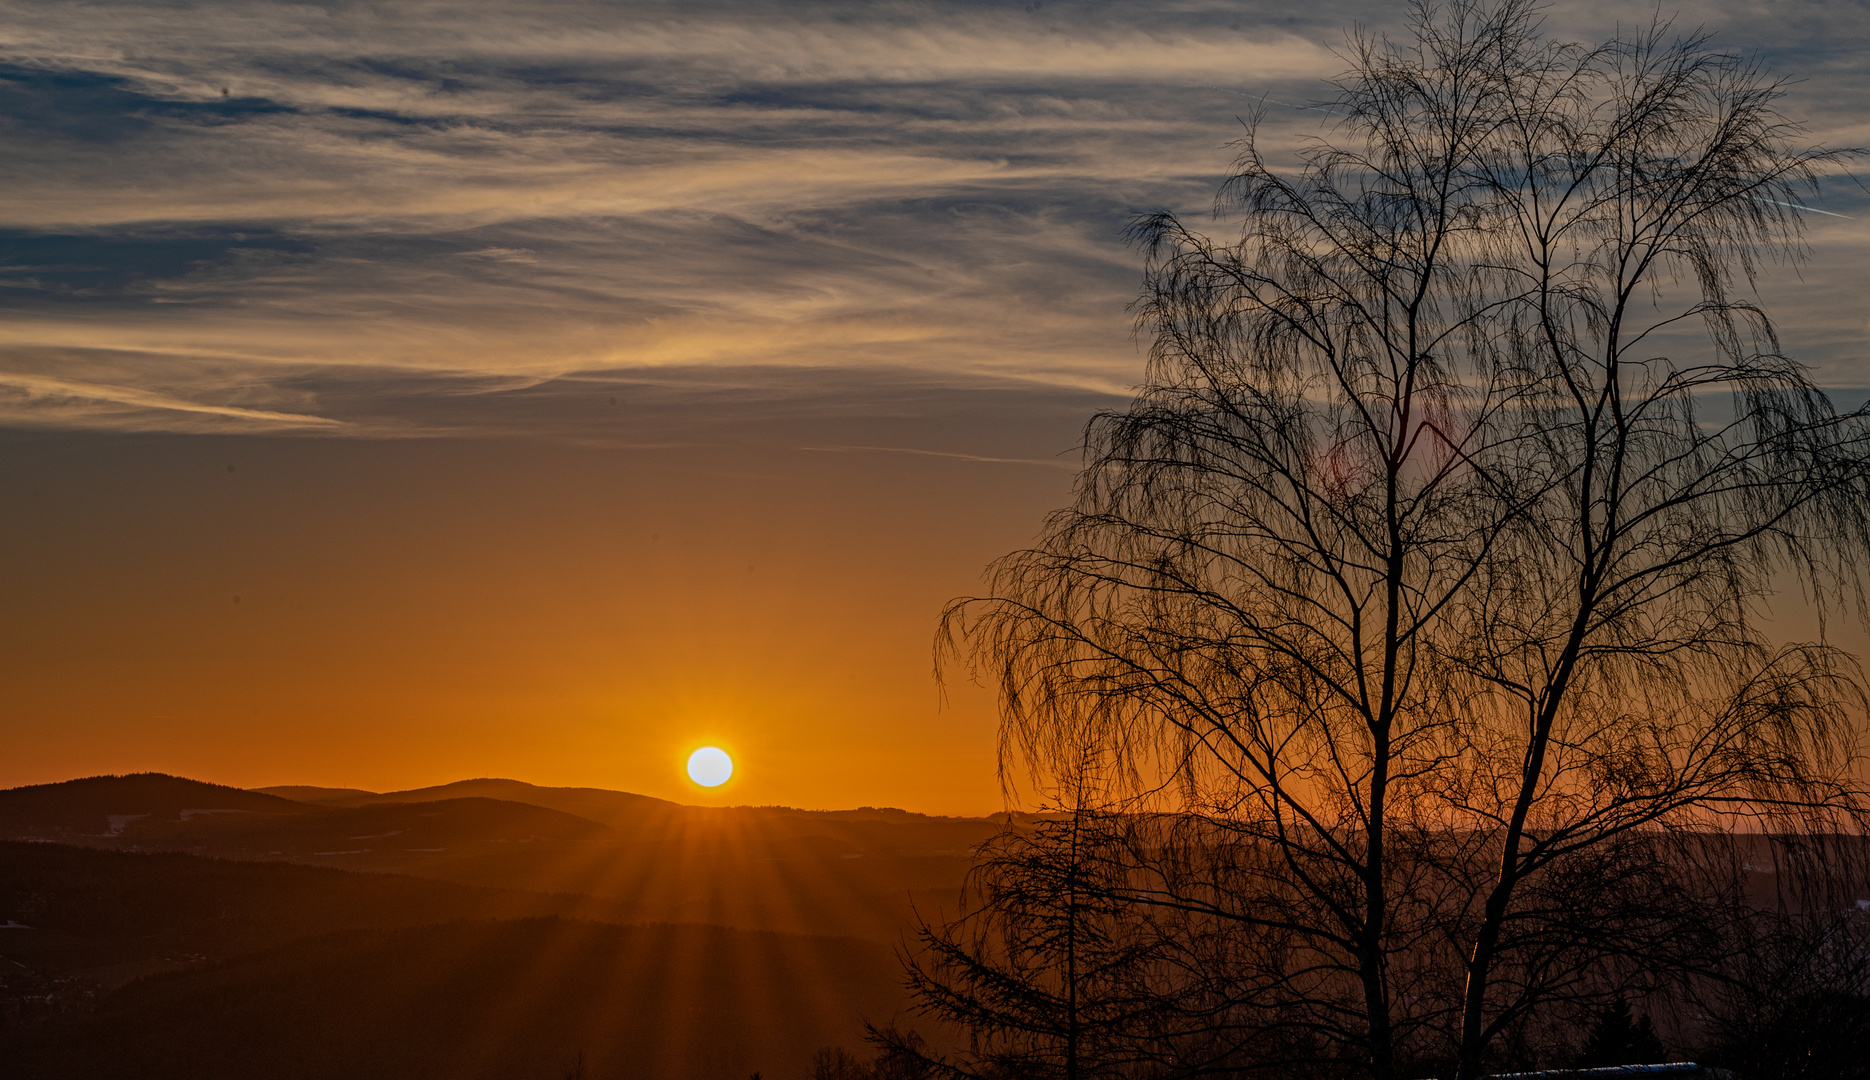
x,y
98,806
861,872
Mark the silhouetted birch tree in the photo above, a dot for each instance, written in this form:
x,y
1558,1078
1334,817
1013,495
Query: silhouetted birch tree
x,y
1412,608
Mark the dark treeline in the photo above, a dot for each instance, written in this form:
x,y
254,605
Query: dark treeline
x,y
1073,962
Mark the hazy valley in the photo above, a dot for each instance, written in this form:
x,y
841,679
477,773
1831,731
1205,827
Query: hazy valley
x,y
164,927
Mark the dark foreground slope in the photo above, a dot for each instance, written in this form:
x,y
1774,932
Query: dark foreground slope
x,y
483,1001
281,970
104,917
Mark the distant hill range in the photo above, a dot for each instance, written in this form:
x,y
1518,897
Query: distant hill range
x,y
598,804
615,808
759,868
158,926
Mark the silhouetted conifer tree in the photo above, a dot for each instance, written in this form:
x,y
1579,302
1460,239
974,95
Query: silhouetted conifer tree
x,y
1045,972
1620,1038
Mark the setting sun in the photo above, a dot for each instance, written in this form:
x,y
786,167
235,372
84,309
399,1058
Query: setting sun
x,y
710,766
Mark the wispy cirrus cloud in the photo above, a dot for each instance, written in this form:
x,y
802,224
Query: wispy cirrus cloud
x,y
225,197
39,399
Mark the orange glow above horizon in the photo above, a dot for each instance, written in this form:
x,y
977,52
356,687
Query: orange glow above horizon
x,y
418,612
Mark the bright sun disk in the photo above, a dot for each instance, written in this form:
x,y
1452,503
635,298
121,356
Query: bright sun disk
x,y
710,766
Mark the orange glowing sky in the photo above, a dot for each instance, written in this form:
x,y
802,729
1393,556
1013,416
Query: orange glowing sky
x,y
562,386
